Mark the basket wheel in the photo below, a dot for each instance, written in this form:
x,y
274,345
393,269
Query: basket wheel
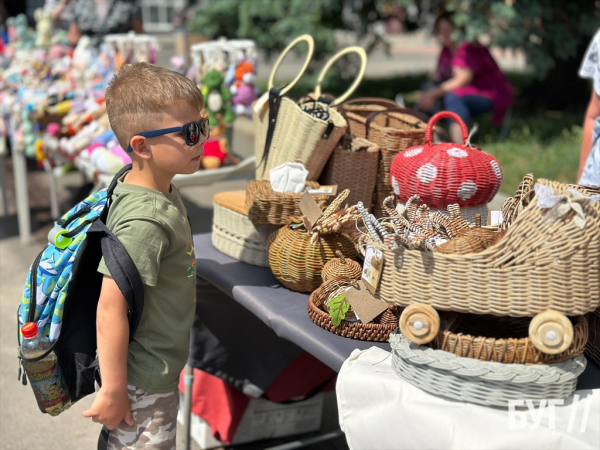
x,y
551,332
420,323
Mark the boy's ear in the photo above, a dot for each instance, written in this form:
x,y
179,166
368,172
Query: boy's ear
x,y
138,144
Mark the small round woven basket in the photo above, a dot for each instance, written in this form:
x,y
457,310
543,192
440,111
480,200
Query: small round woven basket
x,y
297,263
377,331
482,382
341,268
510,342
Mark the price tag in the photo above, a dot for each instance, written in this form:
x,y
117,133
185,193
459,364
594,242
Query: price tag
x,y
372,268
494,217
364,304
310,209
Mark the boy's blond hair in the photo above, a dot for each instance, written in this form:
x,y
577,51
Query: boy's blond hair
x,y
137,94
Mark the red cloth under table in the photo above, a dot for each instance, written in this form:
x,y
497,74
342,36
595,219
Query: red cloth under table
x,y
222,406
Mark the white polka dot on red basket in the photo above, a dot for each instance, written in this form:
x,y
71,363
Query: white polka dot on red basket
x,y
395,186
496,168
466,190
412,152
457,152
427,173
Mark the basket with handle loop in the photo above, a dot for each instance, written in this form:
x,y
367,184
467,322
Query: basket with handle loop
x,y
286,133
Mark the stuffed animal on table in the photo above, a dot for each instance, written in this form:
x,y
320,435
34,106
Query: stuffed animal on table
x,y
44,28
217,98
243,88
29,136
216,149
25,37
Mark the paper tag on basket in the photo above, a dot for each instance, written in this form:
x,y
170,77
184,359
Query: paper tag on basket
x,y
310,209
450,321
364,304
372,268
494,218
331,190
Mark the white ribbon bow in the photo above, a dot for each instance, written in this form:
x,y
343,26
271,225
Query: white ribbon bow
x,y
558,206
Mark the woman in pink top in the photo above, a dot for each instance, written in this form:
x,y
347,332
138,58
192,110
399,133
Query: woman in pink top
x,y
476,86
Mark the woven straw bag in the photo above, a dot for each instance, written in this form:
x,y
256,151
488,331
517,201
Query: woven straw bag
x,y
353,165
447,173
265,206
285,133
482,382
392,129
507,342
377,331
234,234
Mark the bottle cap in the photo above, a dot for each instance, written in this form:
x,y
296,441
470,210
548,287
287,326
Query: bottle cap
x,y
29,330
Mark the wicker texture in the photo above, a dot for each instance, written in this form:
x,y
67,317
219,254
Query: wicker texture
x,y
446,173
510,342
341,268
377,331
298,137
392,132
234,234
297,263
592,349
483,382
353,165
265,206
536,266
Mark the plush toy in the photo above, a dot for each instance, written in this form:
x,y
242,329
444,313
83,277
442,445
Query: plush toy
x,y
44,28
216,149
24,36
243,89
29,136
217,98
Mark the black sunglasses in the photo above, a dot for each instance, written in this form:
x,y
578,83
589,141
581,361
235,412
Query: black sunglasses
x,y
191,132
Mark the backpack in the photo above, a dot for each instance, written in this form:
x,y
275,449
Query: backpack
x,y
63,287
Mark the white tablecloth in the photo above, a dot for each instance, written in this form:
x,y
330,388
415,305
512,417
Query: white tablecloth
x,y
379,410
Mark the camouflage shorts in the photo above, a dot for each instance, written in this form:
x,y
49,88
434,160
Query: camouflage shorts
x,y
155,417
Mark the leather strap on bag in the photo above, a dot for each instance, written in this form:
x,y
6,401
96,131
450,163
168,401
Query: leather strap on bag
x,y
274,103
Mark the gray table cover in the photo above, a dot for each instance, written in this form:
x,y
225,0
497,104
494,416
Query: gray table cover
x,y
280,309
285,311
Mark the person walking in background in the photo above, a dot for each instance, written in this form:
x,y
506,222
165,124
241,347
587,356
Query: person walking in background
x,y
589,156
470,81
97,18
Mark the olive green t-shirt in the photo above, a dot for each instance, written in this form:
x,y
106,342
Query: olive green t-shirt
x,y
154,228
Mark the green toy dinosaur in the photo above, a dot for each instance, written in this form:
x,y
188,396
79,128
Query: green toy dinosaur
x,y
217,98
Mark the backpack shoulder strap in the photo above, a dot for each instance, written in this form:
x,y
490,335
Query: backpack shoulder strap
x,y
115,180
123,271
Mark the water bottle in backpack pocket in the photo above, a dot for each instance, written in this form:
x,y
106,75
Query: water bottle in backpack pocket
x,y
61,296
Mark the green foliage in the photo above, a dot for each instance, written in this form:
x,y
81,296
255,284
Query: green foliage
x,y
338,307
273,24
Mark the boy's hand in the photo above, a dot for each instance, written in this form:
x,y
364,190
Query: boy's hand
x,y
110,409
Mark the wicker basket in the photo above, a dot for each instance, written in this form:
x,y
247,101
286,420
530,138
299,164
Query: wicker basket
x,y
483,382
234,234
297,263
286,133
392,132
536,266
510,342
378,331
353,165
265,206
592,349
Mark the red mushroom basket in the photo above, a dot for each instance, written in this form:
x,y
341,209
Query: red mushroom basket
x,y
447,173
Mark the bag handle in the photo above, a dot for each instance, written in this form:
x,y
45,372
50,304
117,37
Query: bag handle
x,y
363,66
410,112
311,47
388,104
446,115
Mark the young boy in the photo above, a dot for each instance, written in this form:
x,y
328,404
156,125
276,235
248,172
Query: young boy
x,y
156,115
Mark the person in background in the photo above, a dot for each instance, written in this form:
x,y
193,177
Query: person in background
x,y
62,13
589,156
97,18
470,81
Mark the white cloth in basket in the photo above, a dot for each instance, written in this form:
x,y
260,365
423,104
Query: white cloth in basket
x,y
288,177
377,409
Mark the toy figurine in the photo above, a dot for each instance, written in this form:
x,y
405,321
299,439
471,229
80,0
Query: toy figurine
x,y
243,89
44,28
217,98
25,37
216,149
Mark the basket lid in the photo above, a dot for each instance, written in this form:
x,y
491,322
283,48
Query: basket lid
x,y
234,200
446,173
